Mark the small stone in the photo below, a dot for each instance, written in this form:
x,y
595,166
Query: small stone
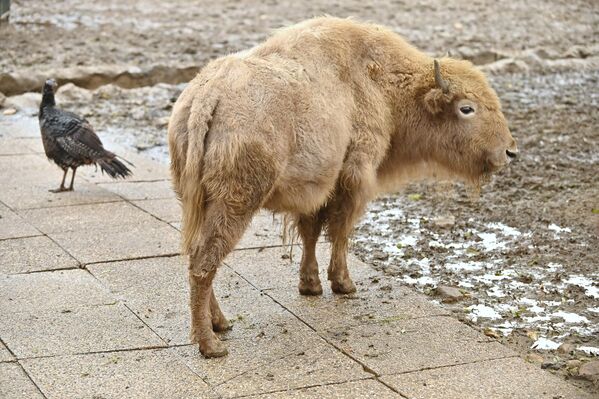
x,y
162,122
10,111
380,255
71,93
534,358
590,371
489,332
566,348
572,364
448,294
444,221
27,101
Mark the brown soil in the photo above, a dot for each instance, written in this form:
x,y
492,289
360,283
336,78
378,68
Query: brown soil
x,y
549,93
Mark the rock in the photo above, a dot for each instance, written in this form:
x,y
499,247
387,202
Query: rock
x,y
71,93
566,348
534,358
507,65
2,99
590,371
573,364
380,255
448,294
489,332
92,77
9,111
27,101
162,122
444,221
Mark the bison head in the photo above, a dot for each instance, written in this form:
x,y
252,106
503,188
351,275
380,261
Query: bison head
x,y
464,116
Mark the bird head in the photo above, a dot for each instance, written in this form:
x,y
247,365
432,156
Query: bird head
x,y
49,86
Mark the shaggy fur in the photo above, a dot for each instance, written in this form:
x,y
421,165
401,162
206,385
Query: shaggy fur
x,y
314,123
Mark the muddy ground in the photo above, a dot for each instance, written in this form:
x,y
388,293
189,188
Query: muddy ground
x,y
525,253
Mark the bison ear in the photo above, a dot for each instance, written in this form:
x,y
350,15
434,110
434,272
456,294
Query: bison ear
x,y
436,101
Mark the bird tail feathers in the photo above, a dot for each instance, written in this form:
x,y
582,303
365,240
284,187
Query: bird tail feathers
x,y
115,168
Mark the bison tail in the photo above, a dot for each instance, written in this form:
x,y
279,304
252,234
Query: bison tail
x,y
189,183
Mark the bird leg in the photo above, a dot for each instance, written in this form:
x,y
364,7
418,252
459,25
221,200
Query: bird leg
x,y
62,187
72,180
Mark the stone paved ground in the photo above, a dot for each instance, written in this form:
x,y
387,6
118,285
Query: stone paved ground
x,y
93,304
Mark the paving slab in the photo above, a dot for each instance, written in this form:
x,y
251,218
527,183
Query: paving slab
x,y
89,217
157,290
20,146
35,193
129,374
19,125
378,299
73,331
493,379
278,267
63,290
14,226
5,355
414,344
168,210
355,389
141,190
148,239
33,166
14,383
32,254
290,360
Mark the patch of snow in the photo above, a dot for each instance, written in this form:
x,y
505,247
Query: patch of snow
x,y
551,303
489,241
553,267
545,344
589,350
506,230
594,310
424,280
483,311
465,284
496,292
409,240
466,266
532,320
558,230
571,317
586,283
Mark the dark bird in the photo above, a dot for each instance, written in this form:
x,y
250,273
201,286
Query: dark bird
x,y
70,141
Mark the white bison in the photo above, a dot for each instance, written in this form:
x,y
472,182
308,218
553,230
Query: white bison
x,y
314,123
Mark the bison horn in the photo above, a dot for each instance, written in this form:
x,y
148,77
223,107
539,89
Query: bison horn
x,y
439,80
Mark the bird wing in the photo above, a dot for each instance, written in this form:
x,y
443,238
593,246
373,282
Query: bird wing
x,y
80,141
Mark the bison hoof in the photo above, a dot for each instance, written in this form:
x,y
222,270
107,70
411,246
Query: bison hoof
x,y
343,287
213,348
312,289
221,325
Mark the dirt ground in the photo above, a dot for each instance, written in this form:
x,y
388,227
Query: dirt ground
x,y
525,253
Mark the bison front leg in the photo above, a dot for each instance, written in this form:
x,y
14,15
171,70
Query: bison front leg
x,y
309,228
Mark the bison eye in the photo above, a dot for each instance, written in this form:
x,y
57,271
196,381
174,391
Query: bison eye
x,y
466,110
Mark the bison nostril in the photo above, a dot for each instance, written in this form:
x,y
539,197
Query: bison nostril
x,y
512,154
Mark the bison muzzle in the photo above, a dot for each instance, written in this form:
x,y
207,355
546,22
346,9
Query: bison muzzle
x,y
314,123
